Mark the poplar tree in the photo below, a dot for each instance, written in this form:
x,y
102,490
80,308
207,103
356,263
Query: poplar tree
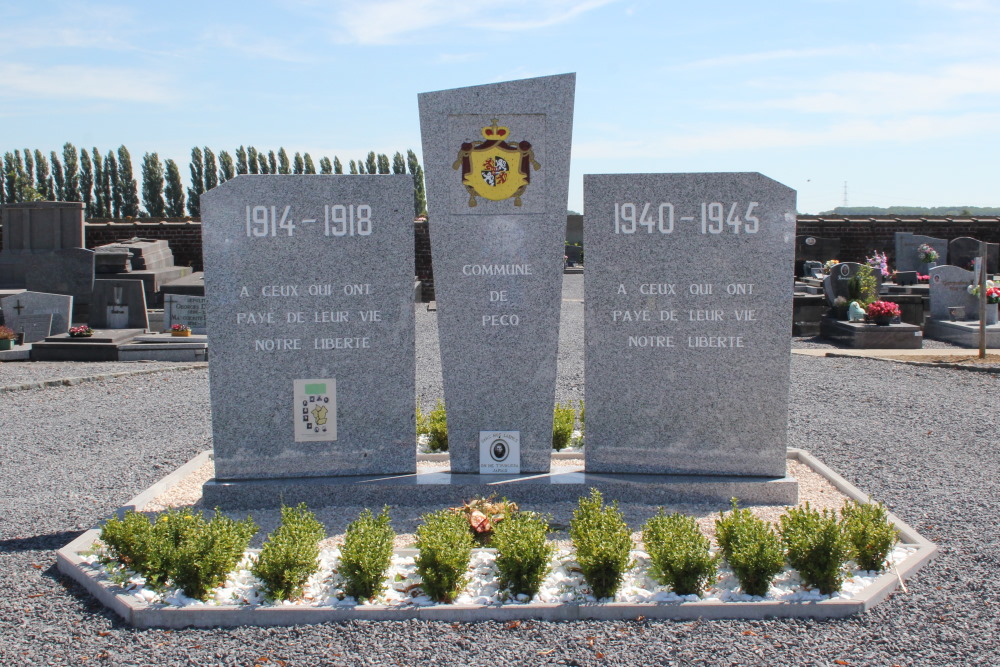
x,y
283,165
325,166
226,170
173,191
114,185
310,168
338,168
87,182
298,165
252,165
398,163
71,176
127,184
262,164
211,171
42,176
354,167
383,163
371,165
272,163
57,176
100,203
29,168
9,179
152,185
419,194
241,160
197,182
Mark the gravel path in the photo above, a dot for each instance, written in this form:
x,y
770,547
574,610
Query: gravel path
x,y
923,440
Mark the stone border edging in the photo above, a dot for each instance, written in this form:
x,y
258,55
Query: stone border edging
x,y
925,364
71,381
143,615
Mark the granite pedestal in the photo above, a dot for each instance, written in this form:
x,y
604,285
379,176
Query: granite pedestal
x,y
872,336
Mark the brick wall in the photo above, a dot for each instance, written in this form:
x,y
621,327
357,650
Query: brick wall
x,y
860,234
422,249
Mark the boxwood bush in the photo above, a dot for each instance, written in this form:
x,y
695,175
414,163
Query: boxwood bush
x,y
679,554
523,553
367,554
870,533
291,553
602,541
445,548
751,547
817,547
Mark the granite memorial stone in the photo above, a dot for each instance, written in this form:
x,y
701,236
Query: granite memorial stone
x,y
907,256
27,304
309,280
34,327
118,304
814,248
497,170
838,283
963,251
688,310
185,309
949,287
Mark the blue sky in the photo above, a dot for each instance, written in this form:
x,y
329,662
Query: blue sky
x,y
899,98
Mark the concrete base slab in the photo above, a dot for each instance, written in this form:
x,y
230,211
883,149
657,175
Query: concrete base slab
x,y
860,335
143,615
562,484
16,353
963,334
102,346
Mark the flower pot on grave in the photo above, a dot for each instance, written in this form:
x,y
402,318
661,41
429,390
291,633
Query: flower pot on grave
x,y
181,333
882,320
6,344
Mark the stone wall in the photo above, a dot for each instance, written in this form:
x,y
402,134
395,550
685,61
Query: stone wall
x,y
184,236
422,249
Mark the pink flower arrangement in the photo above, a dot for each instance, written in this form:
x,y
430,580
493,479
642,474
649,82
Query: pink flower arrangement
x,y
82,331
921,278
180,327
993,295
883,309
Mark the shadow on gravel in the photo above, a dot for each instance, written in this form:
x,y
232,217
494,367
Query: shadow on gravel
x,y
40,542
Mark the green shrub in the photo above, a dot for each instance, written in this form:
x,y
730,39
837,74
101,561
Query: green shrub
x,y
437,427
563,420
817,547
423,420
602,542
367,554
870,533
290,554
205,552
679,553
130,541
583,415
523,553
445,548
751,548
179,546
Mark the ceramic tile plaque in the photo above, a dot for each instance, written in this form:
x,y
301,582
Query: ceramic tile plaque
x,y
309,287
688,308
497,164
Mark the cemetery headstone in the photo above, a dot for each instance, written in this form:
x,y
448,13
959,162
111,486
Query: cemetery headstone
x,y
963,251
185,309
687,319
816,249
839,281
497,170
907,257
309,281
118,304
949,287
34,327
27,304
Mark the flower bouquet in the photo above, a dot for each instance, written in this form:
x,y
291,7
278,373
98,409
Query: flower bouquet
x,y
829,264
992,291
927,254
82,331
180,330
882,312
879,263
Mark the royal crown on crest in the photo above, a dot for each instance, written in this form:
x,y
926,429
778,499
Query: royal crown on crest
x,y
495,132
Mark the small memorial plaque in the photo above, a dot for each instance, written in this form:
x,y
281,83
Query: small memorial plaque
x,y
315,410
499,452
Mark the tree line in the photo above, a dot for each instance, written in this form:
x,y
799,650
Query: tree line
x,y
109,189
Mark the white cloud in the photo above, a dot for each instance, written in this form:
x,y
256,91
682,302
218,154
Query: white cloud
x,y
392,21
727,139
251,45
882,93
739,59
89,27
76,82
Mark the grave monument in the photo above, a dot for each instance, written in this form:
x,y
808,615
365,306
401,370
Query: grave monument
x,y
497,168
687,323
309,280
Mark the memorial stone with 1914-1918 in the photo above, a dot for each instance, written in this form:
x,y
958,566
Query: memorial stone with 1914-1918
x,y
309,280
687,320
